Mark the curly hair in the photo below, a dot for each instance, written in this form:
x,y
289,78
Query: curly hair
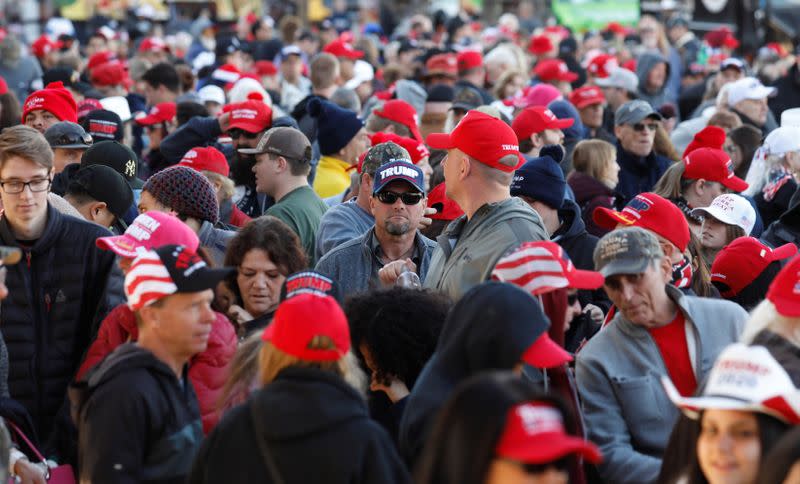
x,y
274,237
400,327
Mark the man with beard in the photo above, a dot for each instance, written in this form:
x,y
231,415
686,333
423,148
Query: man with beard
x,y
393,245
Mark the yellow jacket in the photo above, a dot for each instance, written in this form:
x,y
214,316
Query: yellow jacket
x,y
332,177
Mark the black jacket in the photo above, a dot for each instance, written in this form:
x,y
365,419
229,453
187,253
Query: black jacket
x,y
136,421
639,174
785,230
316,428
489,329
58,295
788,95
771,211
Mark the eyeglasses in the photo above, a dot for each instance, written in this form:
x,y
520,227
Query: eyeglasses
x,y
408,198
237,133
67,139
16,186
639,127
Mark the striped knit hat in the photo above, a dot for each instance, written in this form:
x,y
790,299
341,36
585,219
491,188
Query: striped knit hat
x,y
168,270
186,191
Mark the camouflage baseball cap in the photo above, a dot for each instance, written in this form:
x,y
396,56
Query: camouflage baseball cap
x,y
627,250
381,154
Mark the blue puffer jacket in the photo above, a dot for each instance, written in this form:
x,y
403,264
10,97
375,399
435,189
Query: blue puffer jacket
x,y
58,294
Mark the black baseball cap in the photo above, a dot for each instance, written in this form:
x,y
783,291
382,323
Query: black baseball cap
x,y
68,135
117,156
103,124
68,76
311,282
467,98
104,184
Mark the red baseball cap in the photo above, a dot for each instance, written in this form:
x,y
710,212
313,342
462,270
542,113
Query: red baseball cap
x,y
469,59
536,119
310,327
545,353
101,58
149,231
3,86
401,112
416,149
446,208
534,433
648,211
553,70
110,74
153,44
340,48
586,96
442,65
601,65
712,165
743,260
42,46
160,113
542,267
616,28
251,116
708,137
265,68
206,159
540,44
483,137
784,292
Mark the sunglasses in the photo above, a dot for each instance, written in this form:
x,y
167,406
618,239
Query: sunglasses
x,y
73,139
237,133
639,127
408,198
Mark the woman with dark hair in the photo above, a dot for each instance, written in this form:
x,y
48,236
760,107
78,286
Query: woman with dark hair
x,y
782,464
9,106
748,402
741,145
498,428
729,217
264,252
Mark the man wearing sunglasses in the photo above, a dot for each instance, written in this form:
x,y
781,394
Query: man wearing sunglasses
x,y
635,125
394,245
68,141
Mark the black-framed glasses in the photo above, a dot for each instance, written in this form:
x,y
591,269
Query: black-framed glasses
x,y
17,186
67,139
236,133
408,198
639,127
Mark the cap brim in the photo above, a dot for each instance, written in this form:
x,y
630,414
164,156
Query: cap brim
x,y
783,252
205,279
440,141
552,447
251,151
736,184
561,123
568,77
580,279
716,213
609,219
465,107
545,353
145,121
10,255
122,245
604,82
72,147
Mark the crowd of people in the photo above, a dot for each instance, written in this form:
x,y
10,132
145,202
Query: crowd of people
x,y
449,251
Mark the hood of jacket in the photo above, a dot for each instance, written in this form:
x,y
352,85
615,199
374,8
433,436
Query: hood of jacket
x,y
563,109
490,214
646,63
306,401
572,224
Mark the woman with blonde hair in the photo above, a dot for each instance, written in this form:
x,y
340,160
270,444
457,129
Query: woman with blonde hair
x,y
772,173
594,179
306,423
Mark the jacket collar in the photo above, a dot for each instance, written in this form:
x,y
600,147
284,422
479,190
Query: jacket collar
x,y
49,236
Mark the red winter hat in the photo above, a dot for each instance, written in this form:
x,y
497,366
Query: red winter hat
x,y
153,44
160,113
469,59
784,292
648,211
206,159
109,74
442,65
416,149
534,434
708,137
265,68
43,46
586,96
743,260
310,327
712,165
446,209
251,116
553,70
3,86
540,44
401,112
340,48
602,65
483,137
55,99
101,58
536,119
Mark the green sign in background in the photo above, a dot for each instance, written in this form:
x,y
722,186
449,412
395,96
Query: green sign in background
x,y
595,15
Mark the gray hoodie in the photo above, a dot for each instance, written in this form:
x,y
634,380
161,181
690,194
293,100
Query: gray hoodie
x,y
469,249
644,65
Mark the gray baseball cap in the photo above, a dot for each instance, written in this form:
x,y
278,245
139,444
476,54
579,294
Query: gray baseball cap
x,y
621,78
284,141
627,250
633,112
68,135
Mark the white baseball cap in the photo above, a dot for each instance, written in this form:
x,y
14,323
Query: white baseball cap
x,y
743,378
748,88
731,209
362,72
621,78
782,140
212,93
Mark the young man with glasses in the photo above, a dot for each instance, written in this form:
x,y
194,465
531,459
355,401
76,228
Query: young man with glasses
x,y
60,292
635,125
394,245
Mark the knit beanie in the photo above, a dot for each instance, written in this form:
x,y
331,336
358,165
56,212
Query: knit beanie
x,y
185,191
55,99
541,178
335,126
708,137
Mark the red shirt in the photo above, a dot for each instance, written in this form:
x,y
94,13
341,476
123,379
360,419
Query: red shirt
x,y
674,349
